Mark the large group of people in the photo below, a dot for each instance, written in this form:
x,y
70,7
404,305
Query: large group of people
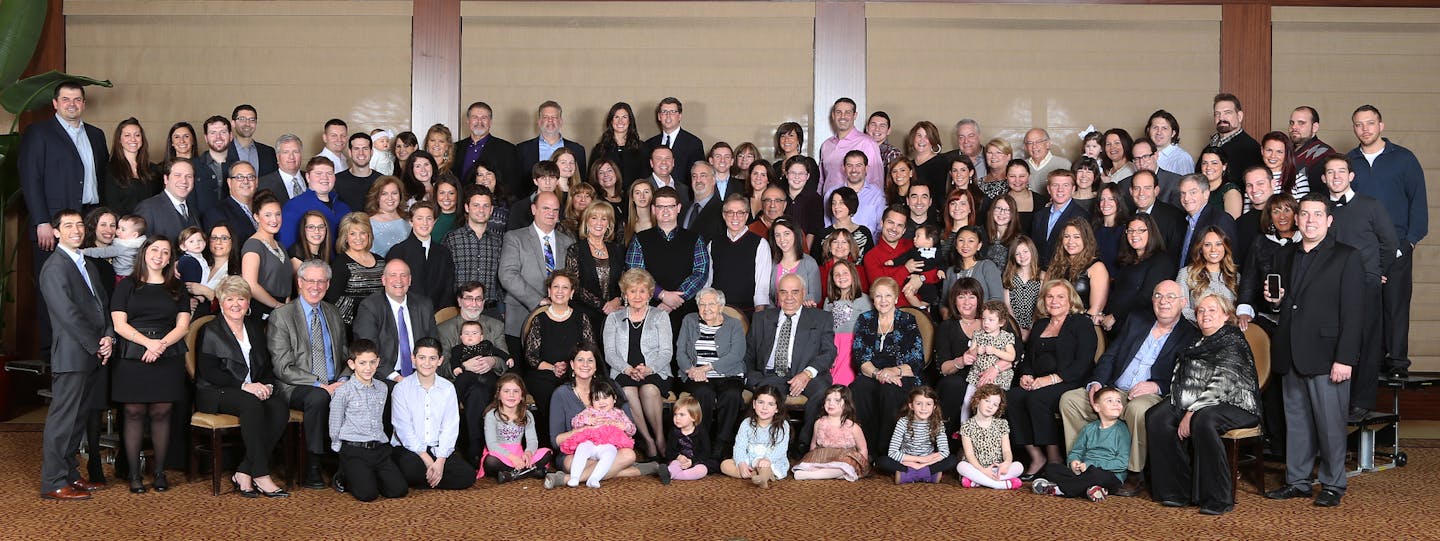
x,y
583,293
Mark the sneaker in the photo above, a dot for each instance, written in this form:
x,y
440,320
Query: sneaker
x,y
554,480
1015,483
1096,493
1043,487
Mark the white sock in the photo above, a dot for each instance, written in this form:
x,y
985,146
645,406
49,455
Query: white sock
x,y
605,458
583,452
965,406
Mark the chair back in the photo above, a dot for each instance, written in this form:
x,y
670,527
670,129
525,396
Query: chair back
x,y
190,335
927,330
446,314
1260,348
1099,343
529,320
737,314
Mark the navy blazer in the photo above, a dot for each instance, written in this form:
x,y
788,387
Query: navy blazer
x,y
265,154
1210,215
375,321
687,149
51,174
229,212
1045,244
161,218
1127,343
221,368
528,153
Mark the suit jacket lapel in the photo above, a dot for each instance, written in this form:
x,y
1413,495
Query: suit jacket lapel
x,y
65,136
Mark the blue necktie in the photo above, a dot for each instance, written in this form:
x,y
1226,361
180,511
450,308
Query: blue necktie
x,y
407,367
549,256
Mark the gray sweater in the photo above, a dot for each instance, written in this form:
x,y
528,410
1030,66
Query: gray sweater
x,y
654,342
729,345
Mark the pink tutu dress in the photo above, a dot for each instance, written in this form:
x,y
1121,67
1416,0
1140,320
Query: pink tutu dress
x,y
599,427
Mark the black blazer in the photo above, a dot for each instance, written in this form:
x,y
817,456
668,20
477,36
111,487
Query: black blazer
x,y
265,154
229,212
1075,351
708,223
812,343
1210,215
1322,313
432,275
375,321
1127,343
1247,227
276,185
219,366
500,154
209,190
1243,151
1364,224
1045,244
527,153
687,149
1172,226
51,174
161,217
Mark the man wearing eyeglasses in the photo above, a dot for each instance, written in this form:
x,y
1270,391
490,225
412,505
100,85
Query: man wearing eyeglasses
x,y
684,146
1140,362
1041,161
234,211
1147,158
676,258
244,146
307,340
741,258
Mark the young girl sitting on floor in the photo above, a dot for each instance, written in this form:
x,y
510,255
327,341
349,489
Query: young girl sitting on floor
x,y
838,448
602,430
762,441
993,349
985,437
511,448
1098,459
918,450
689,451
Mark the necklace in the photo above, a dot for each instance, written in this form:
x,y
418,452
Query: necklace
x,y
553,315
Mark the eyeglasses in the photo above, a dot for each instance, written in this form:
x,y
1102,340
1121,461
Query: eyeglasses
x,y
1170,297
1133,231
658,206
220,238
472,298
314,227
734,212
1144,156
250,178
669,112
321,281
1033,143
772,200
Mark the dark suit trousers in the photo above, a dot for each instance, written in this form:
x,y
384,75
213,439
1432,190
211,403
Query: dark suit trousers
x,y
721,400
542,384
315,403
877,405
371,472
814,402
1194,469
64,426
457,475
262,423
1032,414
1399,284
1366,374
475,391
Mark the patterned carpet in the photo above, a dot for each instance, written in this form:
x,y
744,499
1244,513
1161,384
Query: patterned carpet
x,y
1393,504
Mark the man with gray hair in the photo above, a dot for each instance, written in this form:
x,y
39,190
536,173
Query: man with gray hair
x,y
286,181
968,144
1199,215
307,342
1042,162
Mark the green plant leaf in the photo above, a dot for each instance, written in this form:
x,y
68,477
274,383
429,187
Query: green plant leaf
x,y
20,24
30,93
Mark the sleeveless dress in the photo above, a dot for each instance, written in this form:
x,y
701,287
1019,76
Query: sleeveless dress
x,y
835,447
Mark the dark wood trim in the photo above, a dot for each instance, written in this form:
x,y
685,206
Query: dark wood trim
x,y
435,65
1246,65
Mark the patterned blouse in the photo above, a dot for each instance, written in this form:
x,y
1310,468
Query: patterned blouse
x,y
986,442
899,346
983,362
355,282
1023,296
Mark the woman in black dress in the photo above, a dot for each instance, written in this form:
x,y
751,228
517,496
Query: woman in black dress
x,y
1143,264
151,316
128,177
597,262
1058,358
550,341
620,143
1076,260
952,340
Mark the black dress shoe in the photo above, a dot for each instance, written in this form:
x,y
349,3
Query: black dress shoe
x,y
1287,492
161,484
1358,413
1216,509
137,485
277,493
246,493
1134,481
1328,498
313,479
506,476
1174,503
338,481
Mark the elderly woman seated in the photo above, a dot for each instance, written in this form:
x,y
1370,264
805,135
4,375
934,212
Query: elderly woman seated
x,y
711,355
1214,390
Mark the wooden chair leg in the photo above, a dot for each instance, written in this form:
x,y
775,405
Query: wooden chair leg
x,y
194,468
287,450
215,459
1232,448
1259,447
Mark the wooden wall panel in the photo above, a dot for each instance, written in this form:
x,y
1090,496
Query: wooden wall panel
x,y
1336,59
739,68
1062,67
1245,61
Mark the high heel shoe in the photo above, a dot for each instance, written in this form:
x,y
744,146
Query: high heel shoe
x,y
161,484
137,484
277,493
243,492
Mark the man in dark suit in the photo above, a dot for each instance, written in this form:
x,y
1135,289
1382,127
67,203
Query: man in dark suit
x,y
60,162
1141,363
1170,220
1147,158
485,147
1200,215
1315,350
79,312
799,365
286,181
1050,221
245,148
307,342
1362,222
686,147
1240,148
168,212
394,319
212,165
549,118
1258,189
432,268
723,158
703,214
234,211
663,174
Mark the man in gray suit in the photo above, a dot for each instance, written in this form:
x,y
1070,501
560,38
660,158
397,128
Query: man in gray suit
x,y
80,315
527,258
307,343
793,352
168,213
394,319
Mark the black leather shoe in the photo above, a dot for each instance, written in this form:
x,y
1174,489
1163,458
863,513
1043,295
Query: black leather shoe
x,y
1174,503
1328,498
338,481
1216,509
161,484
1358,413
278,493
250,493
1134,482
1287,492
137,485
313,479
